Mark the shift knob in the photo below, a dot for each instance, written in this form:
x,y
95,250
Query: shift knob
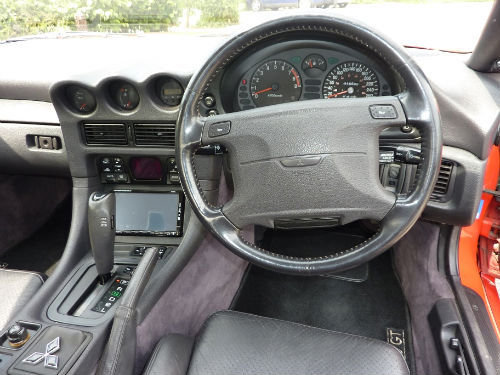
x,y
17,335
102,232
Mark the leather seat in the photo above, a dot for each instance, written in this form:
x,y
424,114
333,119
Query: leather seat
x,y
16,289
236,343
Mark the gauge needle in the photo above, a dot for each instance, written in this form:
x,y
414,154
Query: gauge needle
x,y
337,94
261,91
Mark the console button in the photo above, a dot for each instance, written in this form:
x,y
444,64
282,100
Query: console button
x,y
174,178
109,177
139,251
121,177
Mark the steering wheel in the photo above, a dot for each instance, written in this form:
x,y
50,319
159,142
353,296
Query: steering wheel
x,y
310,161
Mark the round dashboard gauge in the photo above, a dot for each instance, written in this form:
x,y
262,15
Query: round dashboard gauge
x,y
124,95
275,82
169,91
351,79
314,61
81,99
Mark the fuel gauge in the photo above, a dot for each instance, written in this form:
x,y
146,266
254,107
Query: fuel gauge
x,y
313,65
313,62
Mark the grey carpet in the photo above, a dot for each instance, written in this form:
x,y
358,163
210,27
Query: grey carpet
x,y
415,259
42,250
207,284
27,202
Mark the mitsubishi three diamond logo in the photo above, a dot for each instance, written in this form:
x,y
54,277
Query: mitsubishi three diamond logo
x,y
50,360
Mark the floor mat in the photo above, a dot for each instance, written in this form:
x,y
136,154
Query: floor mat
x,y
373,308
42,250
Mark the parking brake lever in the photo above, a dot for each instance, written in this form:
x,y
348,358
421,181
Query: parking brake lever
x,y
101,216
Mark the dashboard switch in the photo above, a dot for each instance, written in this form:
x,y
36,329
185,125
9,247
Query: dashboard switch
x,y
383,112
209,101
219,128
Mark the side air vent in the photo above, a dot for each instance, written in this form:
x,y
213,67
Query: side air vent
x,y
154,134
443,182
105,134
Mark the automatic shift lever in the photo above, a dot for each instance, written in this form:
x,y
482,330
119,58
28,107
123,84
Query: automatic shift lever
x,y
102,232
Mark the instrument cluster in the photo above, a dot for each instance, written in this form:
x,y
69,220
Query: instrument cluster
x,y
280,74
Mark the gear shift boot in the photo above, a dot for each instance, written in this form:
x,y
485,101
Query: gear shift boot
x,y
101,216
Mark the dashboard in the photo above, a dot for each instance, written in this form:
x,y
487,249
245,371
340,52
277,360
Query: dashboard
x,y
131,107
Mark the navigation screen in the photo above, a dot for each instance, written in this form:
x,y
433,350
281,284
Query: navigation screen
x,y
147,212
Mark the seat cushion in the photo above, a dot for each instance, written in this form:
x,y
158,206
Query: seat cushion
x,y
236,343
16,289
171,356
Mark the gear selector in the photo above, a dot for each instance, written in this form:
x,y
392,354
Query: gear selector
x,y
102,232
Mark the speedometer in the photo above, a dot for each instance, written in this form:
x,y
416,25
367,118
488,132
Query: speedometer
x,y
351,79
275,82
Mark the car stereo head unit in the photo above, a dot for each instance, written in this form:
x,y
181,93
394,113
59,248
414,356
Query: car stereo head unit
x,y
149,213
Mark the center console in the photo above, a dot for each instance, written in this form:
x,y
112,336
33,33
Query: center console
x,y
124,221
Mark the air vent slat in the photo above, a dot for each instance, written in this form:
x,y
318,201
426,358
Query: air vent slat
x,y
154,134
105,134
443,182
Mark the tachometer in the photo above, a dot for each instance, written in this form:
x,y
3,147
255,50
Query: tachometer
x,y
275,82
351,79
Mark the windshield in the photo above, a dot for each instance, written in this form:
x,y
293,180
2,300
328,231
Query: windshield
x,y
447,25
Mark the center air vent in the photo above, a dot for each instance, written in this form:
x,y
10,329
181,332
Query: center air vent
x,y
105,134
443,182
154,134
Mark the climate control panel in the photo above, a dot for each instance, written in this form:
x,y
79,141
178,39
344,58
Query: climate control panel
x,y
138,169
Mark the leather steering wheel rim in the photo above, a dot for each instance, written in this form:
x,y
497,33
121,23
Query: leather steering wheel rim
x,y
416,102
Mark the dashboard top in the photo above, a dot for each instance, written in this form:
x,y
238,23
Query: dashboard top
x,y
469,118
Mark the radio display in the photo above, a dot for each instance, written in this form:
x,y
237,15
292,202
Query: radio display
x,y
149,214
